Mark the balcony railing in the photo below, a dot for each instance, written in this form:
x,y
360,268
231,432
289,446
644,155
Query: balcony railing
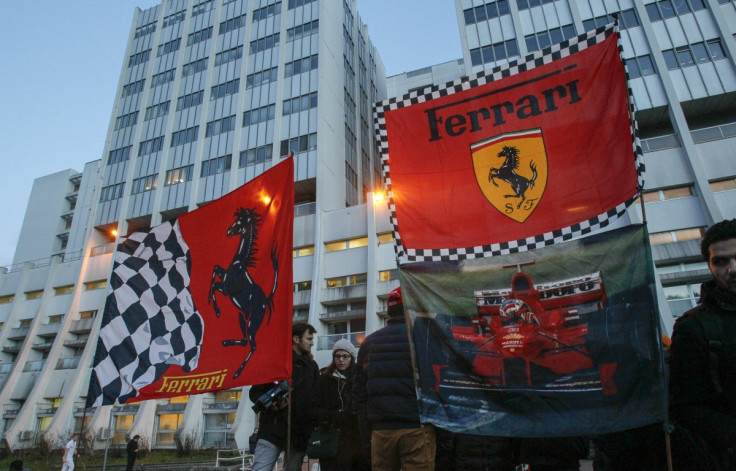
x,y
6,367
18,333
326,342
351,314
102,250
82,325
35,365
68,363
305,209
220,406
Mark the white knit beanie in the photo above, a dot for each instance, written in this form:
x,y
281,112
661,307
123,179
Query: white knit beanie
x,y
344,344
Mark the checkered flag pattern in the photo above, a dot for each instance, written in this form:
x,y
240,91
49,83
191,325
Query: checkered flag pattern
x,y
531,61
150,321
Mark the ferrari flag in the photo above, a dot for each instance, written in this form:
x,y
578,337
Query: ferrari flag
x,y
558,341
525,155
202,302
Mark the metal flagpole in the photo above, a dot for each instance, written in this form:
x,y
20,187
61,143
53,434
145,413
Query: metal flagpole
x,y
107,441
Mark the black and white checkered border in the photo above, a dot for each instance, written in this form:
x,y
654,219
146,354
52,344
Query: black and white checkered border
x,y
531,61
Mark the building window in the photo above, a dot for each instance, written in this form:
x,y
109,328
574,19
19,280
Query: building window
x,y
544,39
167,426
216,165
304,251
261,78
266,12
723,185
301,65
118,155
299,144
187,101
202,7
224,89
199,36
298,3
88,314
178,175
150,146
194,67
216,428
123,423
682,298
494,52
145,29
688,55
300,103
386,238
664,9
258,155
163,78
60,290
486,12
259,115
346,244
229,55
301,31
184,136
640,66
25,323
264,43
142,184
92,285
7,299
350,280
668,194
232,24
37,294
526,4
174,18
388,275
626,19
133,88
168,47
302,286
112,192
56,319
667,237
220,126
139,58
156,111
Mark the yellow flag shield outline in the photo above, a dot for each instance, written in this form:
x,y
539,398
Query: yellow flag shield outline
x,y
511,171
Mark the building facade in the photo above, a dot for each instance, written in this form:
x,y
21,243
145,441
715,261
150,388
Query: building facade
x,y
213,93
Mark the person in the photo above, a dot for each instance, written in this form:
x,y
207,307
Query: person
x,y
332,406
132,450
702,368
70,452
553,453
273,424
385,398
17,465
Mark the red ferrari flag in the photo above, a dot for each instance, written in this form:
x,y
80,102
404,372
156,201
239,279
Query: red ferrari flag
x,y
525,155
202,302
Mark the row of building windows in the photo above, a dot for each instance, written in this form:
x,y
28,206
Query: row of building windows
x,y
185,136
145,30
174,18
486,12
298,144
264,43
139,58
187,101
179,175
494,52
119,155
224,89
261,78
684,56
257,155
266,12
150,146
301,31
199,36
298,3
544,39
130,119
229,55
163,77
664,9
300,65
232,24
111,192
640,66
132,88
202,7
194,67
139,185
156,111
300,103
216,165
259,115
220,126
626,19
168,47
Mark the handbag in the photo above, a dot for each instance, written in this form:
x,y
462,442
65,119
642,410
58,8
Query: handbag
x,y
323,443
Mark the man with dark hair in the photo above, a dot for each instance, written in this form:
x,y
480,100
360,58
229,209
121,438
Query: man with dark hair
x,y
273,424
703,352
16,465
385,399
132,452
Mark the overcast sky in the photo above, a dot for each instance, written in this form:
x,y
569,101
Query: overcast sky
x,y
61,63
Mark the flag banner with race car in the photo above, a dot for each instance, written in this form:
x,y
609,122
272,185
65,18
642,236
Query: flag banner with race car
x,y
202,302
528,154
558,341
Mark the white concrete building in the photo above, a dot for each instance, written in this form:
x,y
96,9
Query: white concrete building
x,y
213,93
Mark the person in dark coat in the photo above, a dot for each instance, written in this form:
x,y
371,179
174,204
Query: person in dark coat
x,y
132,451
464,452
332,407
273,424
703,354
385,398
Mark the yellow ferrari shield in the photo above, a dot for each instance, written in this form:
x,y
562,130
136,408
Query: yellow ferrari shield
x,y
511,170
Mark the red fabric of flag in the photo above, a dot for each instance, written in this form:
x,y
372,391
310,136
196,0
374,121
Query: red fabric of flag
x,y
514,157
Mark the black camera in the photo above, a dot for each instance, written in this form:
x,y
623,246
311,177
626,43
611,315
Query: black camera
x,y
272,396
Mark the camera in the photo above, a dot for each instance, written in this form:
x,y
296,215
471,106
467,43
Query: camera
x,y
272,396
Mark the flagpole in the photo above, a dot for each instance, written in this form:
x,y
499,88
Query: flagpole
x,y
107,441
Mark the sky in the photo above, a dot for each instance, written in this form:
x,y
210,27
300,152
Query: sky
x,y
61,64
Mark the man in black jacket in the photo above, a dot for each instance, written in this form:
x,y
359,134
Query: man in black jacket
x,y
273,425
703,351
385,398
132,452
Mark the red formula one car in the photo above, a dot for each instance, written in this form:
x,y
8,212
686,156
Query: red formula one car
x,y
539,329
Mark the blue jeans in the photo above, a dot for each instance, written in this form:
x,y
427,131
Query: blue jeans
x,y
266,455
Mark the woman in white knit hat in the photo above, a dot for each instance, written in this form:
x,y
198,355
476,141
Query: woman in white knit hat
x,y
332,407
